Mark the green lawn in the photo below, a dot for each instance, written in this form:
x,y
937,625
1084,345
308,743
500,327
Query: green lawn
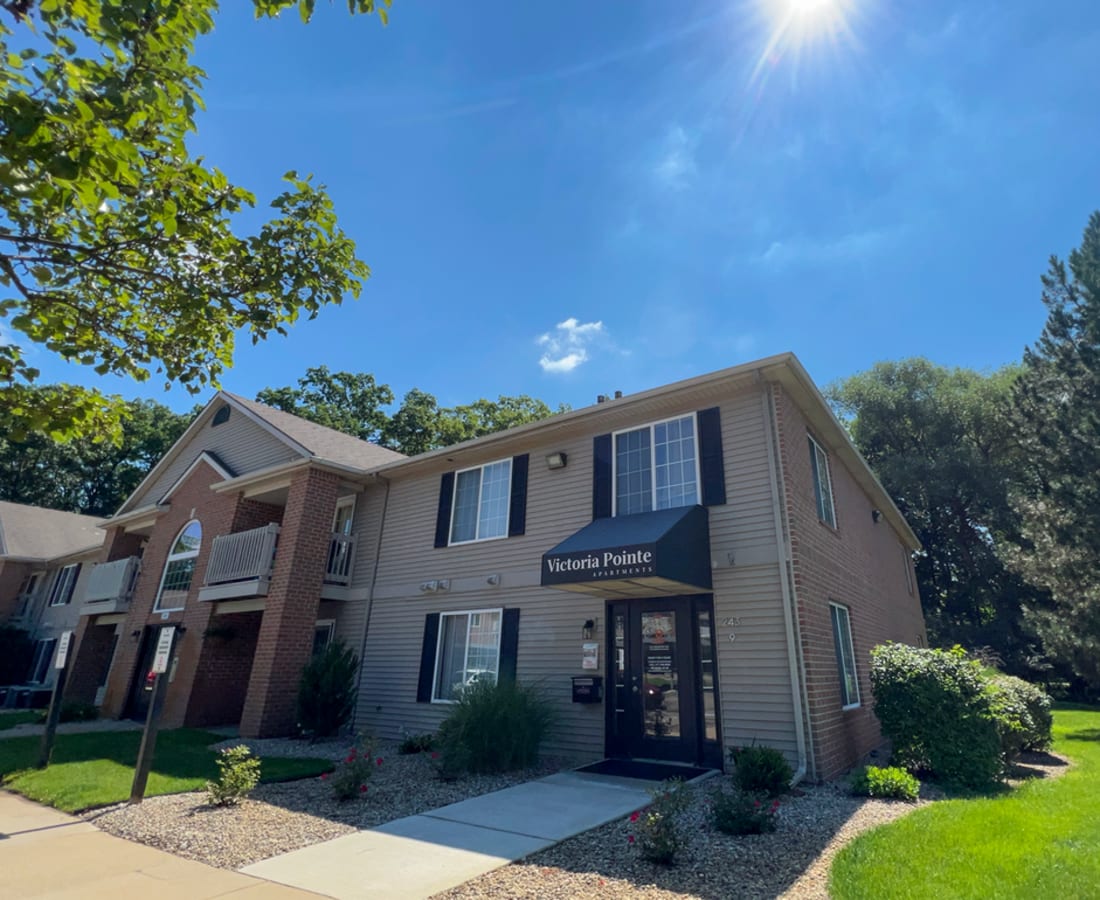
x,y
97,769
1042,840
18,717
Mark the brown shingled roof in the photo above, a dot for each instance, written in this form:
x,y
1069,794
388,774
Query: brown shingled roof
x,y
33,532
319,440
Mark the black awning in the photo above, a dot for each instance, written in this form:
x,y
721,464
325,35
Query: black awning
x,y
652,554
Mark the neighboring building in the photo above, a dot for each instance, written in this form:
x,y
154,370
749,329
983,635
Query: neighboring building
x,y
46,556
683,570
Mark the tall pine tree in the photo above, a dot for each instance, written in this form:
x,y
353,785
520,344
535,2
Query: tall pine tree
x,y
1057,412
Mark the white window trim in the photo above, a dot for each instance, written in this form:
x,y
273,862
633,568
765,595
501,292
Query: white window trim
x,y
652,462
907,559
157,608
480,484
439,645
346,500
329,625
58,580
828,482
840,662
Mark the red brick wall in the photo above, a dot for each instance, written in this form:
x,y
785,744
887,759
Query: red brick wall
x,y
120,545
221,679
93,656
861,565
286,634
218,514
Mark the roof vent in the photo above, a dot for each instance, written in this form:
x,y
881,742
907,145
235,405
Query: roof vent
x,y
618,395
221,416
601,398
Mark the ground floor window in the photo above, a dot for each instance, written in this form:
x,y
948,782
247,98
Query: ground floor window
x,y
323,633
43,657
468,652
845,655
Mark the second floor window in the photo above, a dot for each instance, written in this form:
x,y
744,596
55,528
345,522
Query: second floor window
x,y
179,569
481,499
62,590
823,484
656,467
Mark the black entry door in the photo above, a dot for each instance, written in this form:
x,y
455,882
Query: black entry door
x,y
141,690
663,701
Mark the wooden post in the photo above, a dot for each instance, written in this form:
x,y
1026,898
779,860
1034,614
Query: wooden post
x,y
53,716
166,643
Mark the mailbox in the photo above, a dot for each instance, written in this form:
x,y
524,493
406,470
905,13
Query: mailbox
x,y
587,689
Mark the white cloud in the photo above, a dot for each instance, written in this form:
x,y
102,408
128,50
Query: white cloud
x,y
566,347
853,246
677,163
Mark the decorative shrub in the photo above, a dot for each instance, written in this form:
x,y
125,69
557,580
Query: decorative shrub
x,y
934,707
494,727
73,711
891,782
239,773
452,764
761,770
416,743
743,812
1023,714
326,693
349,781
657,835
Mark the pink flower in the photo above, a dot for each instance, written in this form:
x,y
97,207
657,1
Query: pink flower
x,y
634,816
350,759
435,756
362,789
324,776
630,839
775,806
378,761
756,804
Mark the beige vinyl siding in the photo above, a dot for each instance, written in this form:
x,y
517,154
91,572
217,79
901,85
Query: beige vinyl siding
x,y
754,675
549,654
239,443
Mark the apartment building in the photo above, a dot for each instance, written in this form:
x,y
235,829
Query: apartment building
x,y
690,568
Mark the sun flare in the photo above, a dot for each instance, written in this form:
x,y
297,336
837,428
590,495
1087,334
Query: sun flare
x,y
795,26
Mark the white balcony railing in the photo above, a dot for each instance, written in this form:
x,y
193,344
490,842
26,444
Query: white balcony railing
x,y
110,586
341,557
246,556
112,580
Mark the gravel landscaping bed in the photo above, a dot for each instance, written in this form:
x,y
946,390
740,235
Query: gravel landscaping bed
x,y
793,863
283,817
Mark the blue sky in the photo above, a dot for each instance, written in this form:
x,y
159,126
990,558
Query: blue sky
x,y
568,199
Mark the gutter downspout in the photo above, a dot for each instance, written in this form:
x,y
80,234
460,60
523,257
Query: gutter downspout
x,y
803,739
373,577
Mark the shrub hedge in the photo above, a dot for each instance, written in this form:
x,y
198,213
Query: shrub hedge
x,y
327,692
946,714
493,727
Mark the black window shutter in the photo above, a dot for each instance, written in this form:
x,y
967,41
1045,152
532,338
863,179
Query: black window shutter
x,y
712,467
427,658
443,519
517,516
509,645
601,476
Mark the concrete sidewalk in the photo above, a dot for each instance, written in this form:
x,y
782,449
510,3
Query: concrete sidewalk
x,y
34,729
421,855
48,854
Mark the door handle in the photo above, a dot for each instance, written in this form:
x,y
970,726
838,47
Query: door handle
x,y
635,689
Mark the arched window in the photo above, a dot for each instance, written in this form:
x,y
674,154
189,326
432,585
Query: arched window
x,y
176,581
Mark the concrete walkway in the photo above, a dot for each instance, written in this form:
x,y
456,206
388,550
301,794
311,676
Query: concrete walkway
x,y
48,854
34,729
421,855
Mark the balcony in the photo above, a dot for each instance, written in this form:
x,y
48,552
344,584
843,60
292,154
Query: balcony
x,y
341,558
110,587
240,564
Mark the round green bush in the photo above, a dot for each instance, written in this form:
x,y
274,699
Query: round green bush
x,y
761,770
890,782
935,708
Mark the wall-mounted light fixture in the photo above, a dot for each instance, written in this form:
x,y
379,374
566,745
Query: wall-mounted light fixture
x,y
556,460
588,630
876,514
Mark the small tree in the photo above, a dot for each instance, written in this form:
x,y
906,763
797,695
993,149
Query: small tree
x,y
326,695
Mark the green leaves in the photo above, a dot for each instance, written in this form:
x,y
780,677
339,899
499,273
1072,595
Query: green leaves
x,y
118,250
